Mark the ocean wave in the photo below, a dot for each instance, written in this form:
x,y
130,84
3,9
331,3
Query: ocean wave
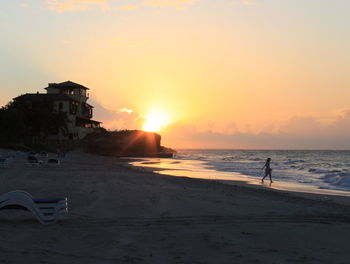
x,y
318,171
292,162
324,169
341,179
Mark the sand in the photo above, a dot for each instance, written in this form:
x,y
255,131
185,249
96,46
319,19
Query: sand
x,y
119,214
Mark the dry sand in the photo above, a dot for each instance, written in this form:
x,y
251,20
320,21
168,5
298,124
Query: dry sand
x,y
119,214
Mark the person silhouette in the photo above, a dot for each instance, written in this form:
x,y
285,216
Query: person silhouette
x,y
268,170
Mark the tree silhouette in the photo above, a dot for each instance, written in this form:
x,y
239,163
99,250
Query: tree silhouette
x,y
20,120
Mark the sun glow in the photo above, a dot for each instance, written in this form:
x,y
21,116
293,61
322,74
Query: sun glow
x,y
155,121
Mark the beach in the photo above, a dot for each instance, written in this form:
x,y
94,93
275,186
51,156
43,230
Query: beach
x,y
122,214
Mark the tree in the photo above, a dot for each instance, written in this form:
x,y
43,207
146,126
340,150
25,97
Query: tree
x,y
12,124
19,120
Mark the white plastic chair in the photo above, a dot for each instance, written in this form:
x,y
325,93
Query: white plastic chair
x,y
34,162
4,163
53,163
45,210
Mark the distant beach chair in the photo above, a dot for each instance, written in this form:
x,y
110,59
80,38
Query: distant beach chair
x,y
33,162
4,163
9,158
53,163
18,153
43,154
46,210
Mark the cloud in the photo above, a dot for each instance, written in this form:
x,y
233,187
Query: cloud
x,y
75,5
140,43
126,110
124,118
84,5
248,3
128,7
24,5
169,3
245,3
297,133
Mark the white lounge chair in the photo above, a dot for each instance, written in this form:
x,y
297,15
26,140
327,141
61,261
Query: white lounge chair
x,y
3,163
45,210
53,163
34,162
43,155
9,158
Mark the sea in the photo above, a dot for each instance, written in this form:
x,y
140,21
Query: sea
x,y
314,171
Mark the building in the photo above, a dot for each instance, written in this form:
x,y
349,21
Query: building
x,y
69,98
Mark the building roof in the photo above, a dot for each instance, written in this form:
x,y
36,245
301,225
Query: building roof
x,y
38,97
67,84
87,121
89,105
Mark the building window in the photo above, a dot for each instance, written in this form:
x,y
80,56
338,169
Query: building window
x,y
67,91
74,107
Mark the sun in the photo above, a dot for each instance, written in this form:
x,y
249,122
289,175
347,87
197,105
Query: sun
x,y
155,121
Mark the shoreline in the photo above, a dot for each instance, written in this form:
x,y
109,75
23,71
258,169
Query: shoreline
x,y
335,199
240,180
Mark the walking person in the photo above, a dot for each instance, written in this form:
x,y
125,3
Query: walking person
x,y
268,170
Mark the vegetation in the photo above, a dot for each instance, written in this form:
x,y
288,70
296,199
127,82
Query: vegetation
x,y
20,123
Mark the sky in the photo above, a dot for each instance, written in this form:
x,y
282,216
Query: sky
x,y
263,74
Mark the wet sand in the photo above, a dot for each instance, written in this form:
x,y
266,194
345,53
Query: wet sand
x,y
119,214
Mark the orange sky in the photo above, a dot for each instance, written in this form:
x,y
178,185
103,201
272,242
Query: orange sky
x,y
226,73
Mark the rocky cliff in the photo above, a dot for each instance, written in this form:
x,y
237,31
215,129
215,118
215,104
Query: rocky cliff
x,y
126,143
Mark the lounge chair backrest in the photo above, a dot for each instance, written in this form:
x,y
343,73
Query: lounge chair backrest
x,y
43,155
4,162
32,159
46,210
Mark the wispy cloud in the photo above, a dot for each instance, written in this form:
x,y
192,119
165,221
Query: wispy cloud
x,y
75,5
24,5
128,7
169,3
300,132
126,110
245,3
84,5
124,118
248,2
140,43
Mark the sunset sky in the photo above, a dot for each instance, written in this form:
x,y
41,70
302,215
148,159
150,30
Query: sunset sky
x,y
222,73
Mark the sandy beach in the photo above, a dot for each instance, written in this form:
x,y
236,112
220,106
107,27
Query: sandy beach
x,y
120,214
